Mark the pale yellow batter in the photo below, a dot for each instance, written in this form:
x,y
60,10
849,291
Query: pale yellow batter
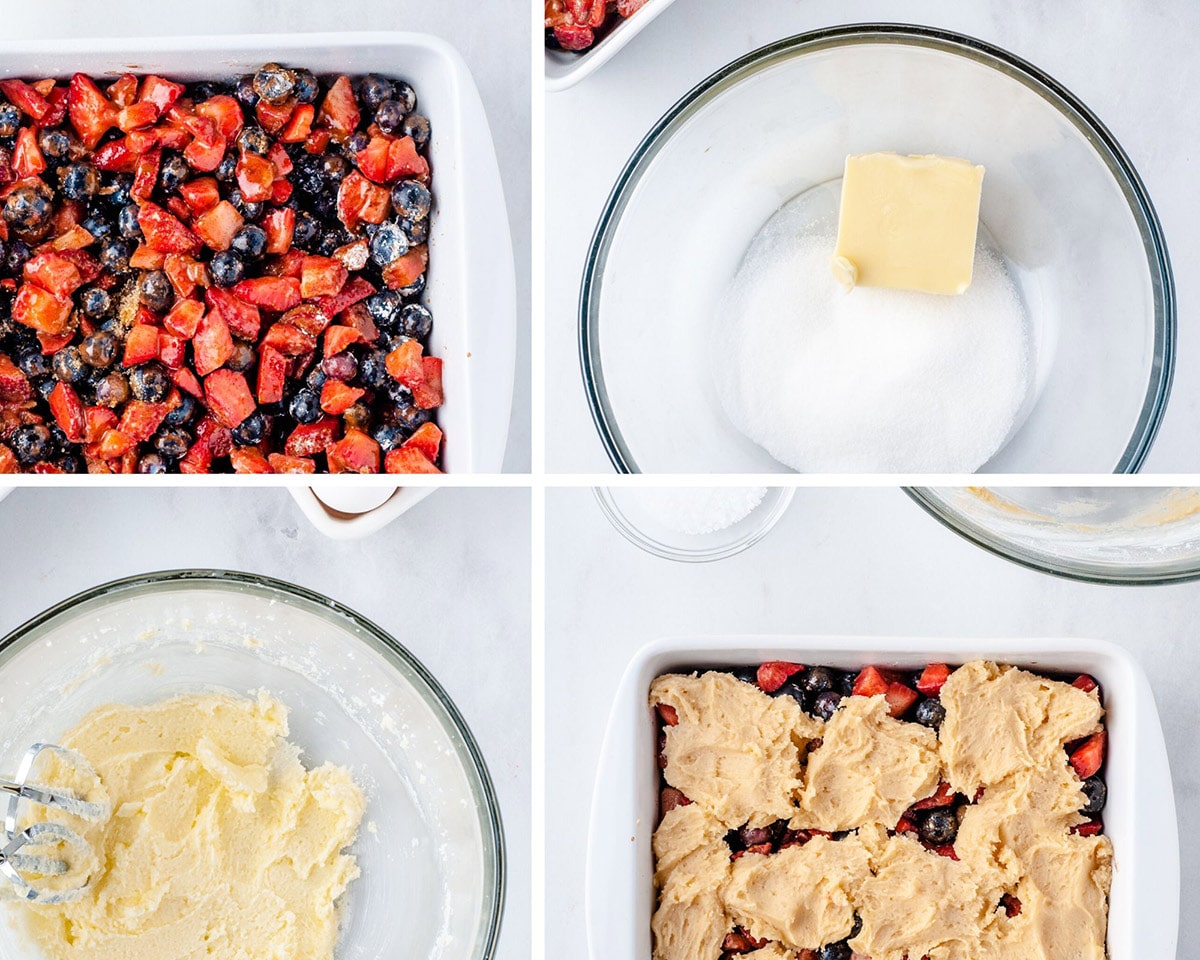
x,y
221,844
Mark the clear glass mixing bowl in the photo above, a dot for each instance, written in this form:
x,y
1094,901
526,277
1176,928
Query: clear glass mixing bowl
x,y
1128,535
1061,202
431,850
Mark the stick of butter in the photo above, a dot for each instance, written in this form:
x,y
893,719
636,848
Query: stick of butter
x,y
908,222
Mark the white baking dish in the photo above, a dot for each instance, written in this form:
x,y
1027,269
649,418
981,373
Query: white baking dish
x,y
565,69
343,512
471,281
1139,816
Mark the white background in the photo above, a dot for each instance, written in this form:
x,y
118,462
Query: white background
x,y
840,562
492,36
1132,61
450,579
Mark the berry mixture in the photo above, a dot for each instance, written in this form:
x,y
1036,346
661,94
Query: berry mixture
x,y
215,277
577,25
821,692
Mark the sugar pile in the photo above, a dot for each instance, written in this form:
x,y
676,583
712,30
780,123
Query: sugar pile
x,y
695,511
872,380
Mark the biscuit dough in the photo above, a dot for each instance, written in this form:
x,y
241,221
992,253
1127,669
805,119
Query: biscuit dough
x,y
692,867
735,750
221,845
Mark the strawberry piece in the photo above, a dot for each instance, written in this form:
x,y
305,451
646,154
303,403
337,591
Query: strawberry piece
x,y
870,683
57,99
288,340
574,38
146,175
141,344
404,363
242,318
179,208
358,317
405,270
172,350
52,343
249,460
404,161
44,467
143,141
272,374
427,394
92,114
359,200
113,444
162,93
205,153
217,226
184,318
356,452
942,797
932,678
273,117
772,674
201,194
372,160
164,233
140,419
1089,829
322,277
945,850
279,225
136,116
408,460
337,397
1087,759
739,941
25,98
308,317
299,125
289,264
280,160
225,113
212,344
1011,905
144,258
228,397
123,91
174,136
317,141
75,238
255,176
309,439
270,293
900,698
53,272
282,463
116,156
88,266
186,380
904,825
1085,683
339,110
338,338
14,385
669,715
41,310
199,459
27,159
184,272
670,798
96,421
67,409
358,288
216,436
8,461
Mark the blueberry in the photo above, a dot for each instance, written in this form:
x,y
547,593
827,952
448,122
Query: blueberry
x,y
44,388
414,289
254,139
28,207
99,349
417,231
1095,793
334,167
316,377
389,436
341,366
416,321
112,390
55,144
389,116
357,416
155,291
306,231
114,256
274,83
383,308
930,713
173,171
100,227
856,929
152,463
250,210
816,680
306,406
227,269
127,221
794,688
204,90
417,127
34,363
95,302
149,382
118,191
308,174
71,463
18,254
10,120
306,87
939,827
373,90
32,444
226,170
825,704
69,366
243,357
411,199
78,181
245,92
409,416
835,951
172,444
388,244
184,412
356,143
251,430
845,682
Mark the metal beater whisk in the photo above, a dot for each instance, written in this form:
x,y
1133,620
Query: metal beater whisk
x,y
25,871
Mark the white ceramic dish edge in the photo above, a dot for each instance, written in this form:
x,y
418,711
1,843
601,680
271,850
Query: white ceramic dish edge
x,y
472,280
564,70
353,527
1140,815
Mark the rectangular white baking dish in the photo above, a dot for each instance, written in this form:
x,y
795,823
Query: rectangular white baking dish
x,y
471,280
1139,816
565,69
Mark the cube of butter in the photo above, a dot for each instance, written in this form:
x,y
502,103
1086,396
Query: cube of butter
x,y
908,222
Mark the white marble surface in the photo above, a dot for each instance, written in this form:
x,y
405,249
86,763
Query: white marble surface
x,y
455,567
840,562
492,37
1132,62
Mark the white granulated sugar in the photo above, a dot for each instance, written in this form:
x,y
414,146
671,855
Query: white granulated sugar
x,y
870,380
695,511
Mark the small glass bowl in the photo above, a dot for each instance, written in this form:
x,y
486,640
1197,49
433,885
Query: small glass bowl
x,y
637,525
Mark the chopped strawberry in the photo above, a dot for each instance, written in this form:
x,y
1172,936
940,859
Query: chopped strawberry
x,y
361,201
162,93
140,419
116,156
184,318
205,153
338,338
25,98
75,238
68,411
255,176
338,397
184,272
1011,905
136,116
216,436
404,363
249,460
225,113
322,277
54,272
172,350
356,289
773,673
671,798
408,460
428,393
228,397
317,141
339,110
1089,829
146,259
904,825
123,91
27,159
8,461
141,344
356,452
870,683
1087,759
96,421
358,318
14,385
1084,683
309,439
201,194
242,318
279,225
932,678
270,293
574,38
273,117
407,269
307,317
212,344
404,161
272,374
41,310
900,698
289,340
217,227
164,233
670,716
739,941
92,114
945,850
299,125
372,160
282,463
942,797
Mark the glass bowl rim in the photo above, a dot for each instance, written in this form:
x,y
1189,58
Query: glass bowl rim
x,y
1041,562
634,534
1054,93
491,825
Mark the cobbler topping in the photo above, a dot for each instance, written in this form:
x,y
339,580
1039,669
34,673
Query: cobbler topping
x,y
952,816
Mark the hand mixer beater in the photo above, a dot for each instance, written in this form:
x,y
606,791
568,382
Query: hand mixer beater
x,y
31,855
